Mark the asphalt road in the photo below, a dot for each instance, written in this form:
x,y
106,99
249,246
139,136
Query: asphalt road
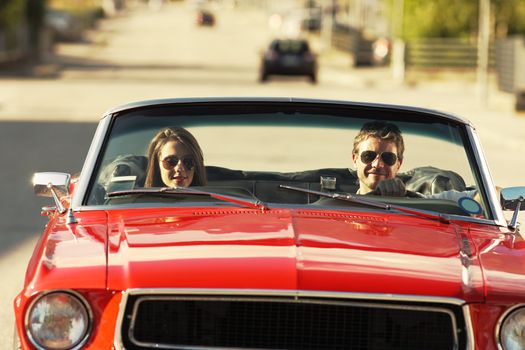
x,y
28,147
48,117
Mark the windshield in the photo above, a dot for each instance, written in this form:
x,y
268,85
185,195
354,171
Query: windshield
x,y
291,46
311,148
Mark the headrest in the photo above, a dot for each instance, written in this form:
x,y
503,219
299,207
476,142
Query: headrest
x,y
122,166
426,180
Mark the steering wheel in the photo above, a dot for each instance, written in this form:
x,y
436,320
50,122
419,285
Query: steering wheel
x,y
408,194
414,194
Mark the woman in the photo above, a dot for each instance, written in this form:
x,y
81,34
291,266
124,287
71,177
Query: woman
x,y
175,160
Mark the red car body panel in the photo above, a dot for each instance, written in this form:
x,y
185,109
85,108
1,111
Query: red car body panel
x,y
287,249
72,257
72,253
279,249
503,260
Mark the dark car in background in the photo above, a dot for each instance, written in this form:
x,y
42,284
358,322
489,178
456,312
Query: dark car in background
x,y
63,26
205,18
289,57
311,24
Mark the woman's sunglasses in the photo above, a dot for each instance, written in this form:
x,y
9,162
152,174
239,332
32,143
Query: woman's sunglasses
x,y
171,162
389,158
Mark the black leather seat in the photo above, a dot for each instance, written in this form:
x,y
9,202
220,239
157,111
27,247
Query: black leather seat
x,y
265,185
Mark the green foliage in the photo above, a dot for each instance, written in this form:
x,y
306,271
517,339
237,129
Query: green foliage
x,y
457,19
18,14
35,12
439,18
11,14
509,17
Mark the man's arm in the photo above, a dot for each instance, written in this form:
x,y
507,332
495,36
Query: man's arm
x,y
454,195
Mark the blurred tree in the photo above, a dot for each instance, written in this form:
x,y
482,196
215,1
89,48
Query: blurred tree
x,y
35,12
440,18
445,18
11,17
15,16
509,17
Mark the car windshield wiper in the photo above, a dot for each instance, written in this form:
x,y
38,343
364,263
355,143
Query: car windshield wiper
x,y
370,203
254,204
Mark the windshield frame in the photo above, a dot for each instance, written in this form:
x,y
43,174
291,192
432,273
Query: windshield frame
x,y
485,178
472,144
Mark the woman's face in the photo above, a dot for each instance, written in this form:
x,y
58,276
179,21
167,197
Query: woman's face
x,y
176,165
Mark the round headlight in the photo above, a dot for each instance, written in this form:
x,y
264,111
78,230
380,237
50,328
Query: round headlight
x,y
512,331
58,321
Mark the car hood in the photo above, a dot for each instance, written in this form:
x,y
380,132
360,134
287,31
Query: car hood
x,y
283,249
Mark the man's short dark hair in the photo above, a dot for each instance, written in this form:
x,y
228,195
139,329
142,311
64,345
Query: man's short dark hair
x,y
382,130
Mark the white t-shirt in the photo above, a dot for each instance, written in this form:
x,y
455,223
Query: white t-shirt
x,y
452,195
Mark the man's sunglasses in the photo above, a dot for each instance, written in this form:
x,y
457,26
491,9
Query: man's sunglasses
x,y
171,162
389,158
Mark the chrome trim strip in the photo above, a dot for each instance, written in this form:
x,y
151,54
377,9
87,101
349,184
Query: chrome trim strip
x,y
299,294
117,342
286,295
486,177
500,323
68,291
89,163
471,344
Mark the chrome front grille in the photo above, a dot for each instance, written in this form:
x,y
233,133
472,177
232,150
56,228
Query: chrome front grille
x,y
261,322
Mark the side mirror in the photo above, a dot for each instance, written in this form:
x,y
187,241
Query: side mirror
x,y
54,185
512,198
44,182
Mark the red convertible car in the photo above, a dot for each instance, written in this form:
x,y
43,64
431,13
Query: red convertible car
x,y
251,223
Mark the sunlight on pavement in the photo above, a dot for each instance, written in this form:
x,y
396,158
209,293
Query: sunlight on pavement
x,y
11,265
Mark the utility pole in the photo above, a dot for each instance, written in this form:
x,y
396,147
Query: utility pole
x,y
483,49
359,22
327,24
398,45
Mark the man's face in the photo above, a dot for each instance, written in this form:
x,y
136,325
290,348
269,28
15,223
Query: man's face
x,y
372,173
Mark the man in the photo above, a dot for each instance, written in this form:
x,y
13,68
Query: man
x,y
377,156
